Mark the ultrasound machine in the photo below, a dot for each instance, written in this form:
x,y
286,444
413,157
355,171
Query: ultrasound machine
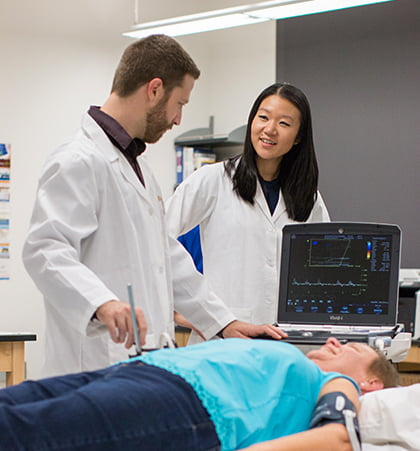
x,y
341,279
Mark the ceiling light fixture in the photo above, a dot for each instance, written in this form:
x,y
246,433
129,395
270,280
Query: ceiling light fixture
x,y
241,15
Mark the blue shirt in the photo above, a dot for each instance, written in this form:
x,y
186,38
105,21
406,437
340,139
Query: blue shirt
x,y
253,390
191,241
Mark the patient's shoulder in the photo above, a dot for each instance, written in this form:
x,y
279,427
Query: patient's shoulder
x,y
343,385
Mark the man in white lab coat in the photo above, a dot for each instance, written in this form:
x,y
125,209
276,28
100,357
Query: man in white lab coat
x,y
98,225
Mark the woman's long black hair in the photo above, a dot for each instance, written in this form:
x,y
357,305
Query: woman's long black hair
x,y
298,170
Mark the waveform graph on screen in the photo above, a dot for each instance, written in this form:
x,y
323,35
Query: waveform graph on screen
x,y
338,274
334,268
328,252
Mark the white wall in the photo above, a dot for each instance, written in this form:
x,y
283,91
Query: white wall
x,y
47,82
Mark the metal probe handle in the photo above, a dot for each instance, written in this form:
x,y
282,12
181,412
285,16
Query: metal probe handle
x,y
134,319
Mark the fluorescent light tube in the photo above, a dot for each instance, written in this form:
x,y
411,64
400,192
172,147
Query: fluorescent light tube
x,y
241,15
207,21
194,26
309,7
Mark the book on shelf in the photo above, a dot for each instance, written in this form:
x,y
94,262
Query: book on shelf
x,y
188,159
178,153
203,157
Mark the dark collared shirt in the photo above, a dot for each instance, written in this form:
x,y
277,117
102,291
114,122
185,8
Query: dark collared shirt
x,y
129,147
271,190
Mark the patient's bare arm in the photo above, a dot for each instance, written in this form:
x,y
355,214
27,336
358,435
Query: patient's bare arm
x,y
331,437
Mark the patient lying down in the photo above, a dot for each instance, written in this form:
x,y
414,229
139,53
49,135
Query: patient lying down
x,y
220,395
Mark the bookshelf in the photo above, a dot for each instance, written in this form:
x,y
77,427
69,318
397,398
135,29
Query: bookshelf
x,y
206,146
205,137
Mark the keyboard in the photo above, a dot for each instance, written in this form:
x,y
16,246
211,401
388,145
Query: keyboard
x,y
318,337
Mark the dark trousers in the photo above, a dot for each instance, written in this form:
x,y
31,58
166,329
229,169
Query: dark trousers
x,y
124,407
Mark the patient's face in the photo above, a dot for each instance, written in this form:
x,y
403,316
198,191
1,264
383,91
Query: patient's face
x,y
351,359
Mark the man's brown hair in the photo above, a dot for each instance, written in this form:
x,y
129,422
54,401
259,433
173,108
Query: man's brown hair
x,y
156,56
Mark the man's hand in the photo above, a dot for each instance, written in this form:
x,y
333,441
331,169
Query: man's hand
x,y
240,329
116,315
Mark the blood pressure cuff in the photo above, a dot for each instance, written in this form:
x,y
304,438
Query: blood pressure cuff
x,y
335,407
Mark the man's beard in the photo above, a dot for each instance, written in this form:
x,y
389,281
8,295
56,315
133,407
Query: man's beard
x,y
156,123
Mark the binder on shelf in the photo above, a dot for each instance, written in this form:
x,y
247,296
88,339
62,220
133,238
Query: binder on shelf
x,y
188,159
196,148
179,164
203,157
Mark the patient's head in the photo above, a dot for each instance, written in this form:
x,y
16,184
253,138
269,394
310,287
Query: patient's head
x,y
384,370
367,367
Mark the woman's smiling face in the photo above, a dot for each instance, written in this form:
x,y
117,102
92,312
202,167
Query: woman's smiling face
x,y
275,128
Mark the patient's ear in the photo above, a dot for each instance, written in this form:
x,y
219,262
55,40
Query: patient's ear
x,y
371,383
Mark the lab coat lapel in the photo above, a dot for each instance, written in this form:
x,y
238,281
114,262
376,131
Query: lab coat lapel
x,y
131,177
104,145
262,203
280,210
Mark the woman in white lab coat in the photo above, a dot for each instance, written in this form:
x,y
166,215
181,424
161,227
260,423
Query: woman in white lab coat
x,y
242,204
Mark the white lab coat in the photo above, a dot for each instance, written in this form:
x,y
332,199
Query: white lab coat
x,y
241,243
95,229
